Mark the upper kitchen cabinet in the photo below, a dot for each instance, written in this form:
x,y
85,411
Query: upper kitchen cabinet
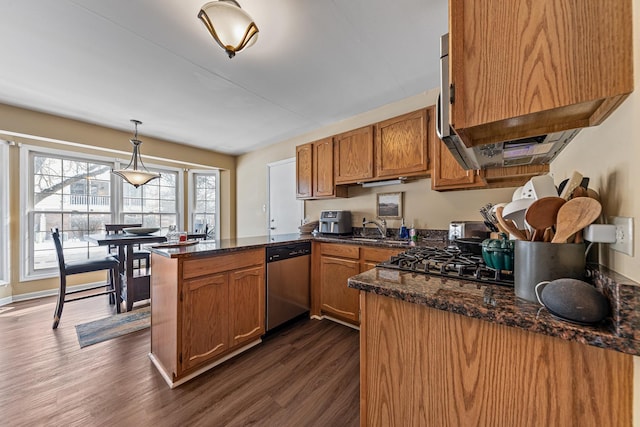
x,y
353,155
304,171
315,171
401,145
520,69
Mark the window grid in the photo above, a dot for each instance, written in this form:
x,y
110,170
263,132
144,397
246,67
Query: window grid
x,y
204,206
154,204
79,196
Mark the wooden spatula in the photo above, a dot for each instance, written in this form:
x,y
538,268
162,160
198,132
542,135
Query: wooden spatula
x,y
574,215
542,214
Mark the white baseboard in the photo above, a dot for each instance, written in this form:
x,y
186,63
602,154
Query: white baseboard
x,y
333,319
46,293
173,384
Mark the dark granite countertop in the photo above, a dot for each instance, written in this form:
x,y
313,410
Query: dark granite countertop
x,y
223,246
498,304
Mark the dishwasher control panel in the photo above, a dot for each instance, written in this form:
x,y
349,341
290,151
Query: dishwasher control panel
x,y
286,251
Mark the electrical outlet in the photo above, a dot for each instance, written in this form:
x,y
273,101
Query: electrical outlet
x,y
624,234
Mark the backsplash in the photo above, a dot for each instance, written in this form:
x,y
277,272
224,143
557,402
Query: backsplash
x,y
393,233
624,298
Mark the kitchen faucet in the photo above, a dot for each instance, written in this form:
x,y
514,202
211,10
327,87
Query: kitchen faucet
x,y
381,225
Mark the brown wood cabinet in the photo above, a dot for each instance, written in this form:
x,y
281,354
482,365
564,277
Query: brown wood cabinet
x,y
247,304
353,156
528,69
335,263
427,367
304,171
401,144
205,309
315,171
205,319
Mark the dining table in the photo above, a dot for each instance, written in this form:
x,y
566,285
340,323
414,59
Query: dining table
x,y
134,287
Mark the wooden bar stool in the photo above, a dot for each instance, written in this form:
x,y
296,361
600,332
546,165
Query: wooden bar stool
x,y
76,267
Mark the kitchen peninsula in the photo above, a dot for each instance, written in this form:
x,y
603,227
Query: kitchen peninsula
x,y
437,351
208,303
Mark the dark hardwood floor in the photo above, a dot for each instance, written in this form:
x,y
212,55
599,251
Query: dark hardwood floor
x,y
305,375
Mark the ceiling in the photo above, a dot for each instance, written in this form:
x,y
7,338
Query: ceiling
x,y
315,62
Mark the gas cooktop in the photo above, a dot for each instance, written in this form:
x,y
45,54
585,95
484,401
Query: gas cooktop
x,y
448,262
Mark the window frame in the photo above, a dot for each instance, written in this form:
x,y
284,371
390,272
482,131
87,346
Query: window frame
x,y
5,248
27,273
192,199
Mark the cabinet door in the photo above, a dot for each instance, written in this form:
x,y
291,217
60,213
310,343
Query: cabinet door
x,y
323,168
447,174
402,145
304,171
528,70
354,155
205,314
336,298
373,256
247,304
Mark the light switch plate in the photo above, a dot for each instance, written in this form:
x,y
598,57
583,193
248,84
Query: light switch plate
x,y
624,234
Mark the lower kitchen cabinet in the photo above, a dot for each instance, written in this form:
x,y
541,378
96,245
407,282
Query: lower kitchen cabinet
x,y
205,319
247,303
338,299
204,310
335,264
428,367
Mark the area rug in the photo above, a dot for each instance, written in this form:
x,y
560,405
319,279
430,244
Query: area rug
x,y
114,326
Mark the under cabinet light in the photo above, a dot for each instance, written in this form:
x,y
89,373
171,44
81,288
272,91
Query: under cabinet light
x,y
381,183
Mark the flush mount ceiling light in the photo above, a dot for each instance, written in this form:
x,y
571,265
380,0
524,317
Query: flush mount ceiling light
x,y
135,176
229,25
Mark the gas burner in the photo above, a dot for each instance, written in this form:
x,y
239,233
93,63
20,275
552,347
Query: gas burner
x,y
448,262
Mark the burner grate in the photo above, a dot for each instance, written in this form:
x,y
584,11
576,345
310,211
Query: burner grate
x,y
447,262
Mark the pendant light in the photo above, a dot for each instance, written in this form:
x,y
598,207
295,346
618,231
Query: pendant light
x,y
135,176
229,25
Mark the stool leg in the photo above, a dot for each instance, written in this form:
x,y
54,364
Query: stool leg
x,y
115,273
60,304
111,287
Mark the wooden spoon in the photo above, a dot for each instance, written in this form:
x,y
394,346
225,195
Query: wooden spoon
x,y
574,215
542,214
509,226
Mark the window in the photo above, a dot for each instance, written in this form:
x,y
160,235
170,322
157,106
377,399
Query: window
x,y
73,195
204,201
4,212
78,194
154,204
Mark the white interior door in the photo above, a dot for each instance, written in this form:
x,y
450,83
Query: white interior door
x,y
285,211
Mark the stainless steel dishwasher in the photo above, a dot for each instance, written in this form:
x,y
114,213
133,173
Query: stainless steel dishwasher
x,y
288,277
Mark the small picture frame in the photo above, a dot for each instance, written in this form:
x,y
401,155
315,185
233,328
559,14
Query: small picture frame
x,y
389,205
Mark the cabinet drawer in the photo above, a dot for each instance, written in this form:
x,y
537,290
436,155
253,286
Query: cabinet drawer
x,y
216,264
376,255
340,250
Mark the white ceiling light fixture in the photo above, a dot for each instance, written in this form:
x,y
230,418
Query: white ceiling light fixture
x,y
135,176
229,25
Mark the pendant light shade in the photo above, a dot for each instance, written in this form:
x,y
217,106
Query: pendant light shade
x,y
131,173
229,25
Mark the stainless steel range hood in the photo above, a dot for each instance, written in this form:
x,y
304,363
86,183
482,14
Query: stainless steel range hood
x,y
534,150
